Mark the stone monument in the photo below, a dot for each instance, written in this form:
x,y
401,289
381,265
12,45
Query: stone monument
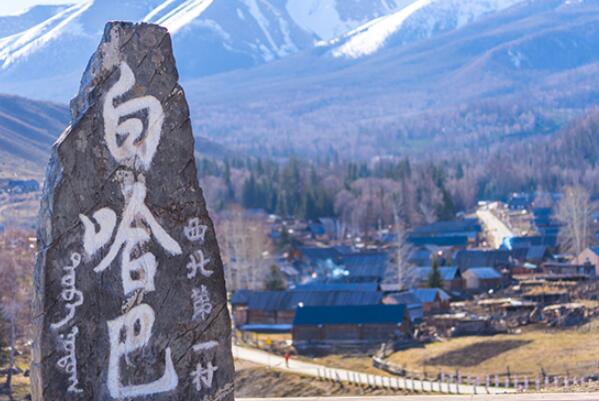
x,y
130,299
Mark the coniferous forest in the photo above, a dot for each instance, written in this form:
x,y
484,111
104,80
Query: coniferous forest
x,y
427,188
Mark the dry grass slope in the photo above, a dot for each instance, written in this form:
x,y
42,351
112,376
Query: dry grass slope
x,y
573,352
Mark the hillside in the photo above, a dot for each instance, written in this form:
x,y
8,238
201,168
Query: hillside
x,y
27,130
209,36
354,80
493,80
521,355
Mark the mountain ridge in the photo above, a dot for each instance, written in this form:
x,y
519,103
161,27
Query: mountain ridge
x,y
28,129
464,78
238,34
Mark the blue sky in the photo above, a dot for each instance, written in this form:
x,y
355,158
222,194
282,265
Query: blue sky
x,y
8,7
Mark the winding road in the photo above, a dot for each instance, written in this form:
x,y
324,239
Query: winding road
x,y
495,228
360,378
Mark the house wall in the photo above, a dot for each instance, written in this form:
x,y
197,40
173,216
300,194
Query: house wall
x,y
261,317
591,257
240,315
454,285
307,333
475,283
285,316
487,284
472,281
343,333
431,308
270,317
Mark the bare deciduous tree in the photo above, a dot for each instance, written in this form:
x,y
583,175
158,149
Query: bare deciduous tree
x,y
246,249
404,271
573,211
16,261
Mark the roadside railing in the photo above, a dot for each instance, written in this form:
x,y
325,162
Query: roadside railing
x,y
500,380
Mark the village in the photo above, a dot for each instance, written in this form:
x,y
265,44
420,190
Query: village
x,y
462,297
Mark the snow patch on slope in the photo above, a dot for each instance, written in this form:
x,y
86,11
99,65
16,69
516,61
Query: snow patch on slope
x,y
420,19
328,19
174,14
318,16
22,44
279,50
370,37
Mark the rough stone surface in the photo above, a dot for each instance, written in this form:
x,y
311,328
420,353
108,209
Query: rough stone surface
x,y
130,300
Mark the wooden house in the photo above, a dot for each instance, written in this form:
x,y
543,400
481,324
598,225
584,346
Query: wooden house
x,y
450,275
498,259
355,324
276,309
421,302
589,256
482,279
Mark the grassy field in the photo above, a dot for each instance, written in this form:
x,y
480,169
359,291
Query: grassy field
x,y
352,362
573,352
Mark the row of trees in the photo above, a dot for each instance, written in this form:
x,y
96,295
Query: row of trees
x,y
16,272
362,196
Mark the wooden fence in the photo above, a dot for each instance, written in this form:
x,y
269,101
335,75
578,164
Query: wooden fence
x,y
503,380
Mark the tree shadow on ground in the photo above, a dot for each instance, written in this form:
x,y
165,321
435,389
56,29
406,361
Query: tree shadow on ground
x,y
475,354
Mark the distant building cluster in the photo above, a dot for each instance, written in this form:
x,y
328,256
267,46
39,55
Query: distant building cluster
x,y
344,294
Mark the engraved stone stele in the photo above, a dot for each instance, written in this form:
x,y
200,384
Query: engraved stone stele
x,y
130,300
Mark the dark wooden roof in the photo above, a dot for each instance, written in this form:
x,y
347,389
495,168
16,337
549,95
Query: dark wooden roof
x,y
350,314
290,300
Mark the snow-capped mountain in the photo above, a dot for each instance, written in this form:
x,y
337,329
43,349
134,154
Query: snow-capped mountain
x,y
11,24
209,36
523,68
356,76
418,20
44,51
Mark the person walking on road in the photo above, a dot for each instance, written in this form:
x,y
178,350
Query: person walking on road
x,y
287,356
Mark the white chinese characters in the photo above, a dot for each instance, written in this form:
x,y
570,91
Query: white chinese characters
x,y
134,150
202,307
137,273
129,333
198,262
194,231
203,374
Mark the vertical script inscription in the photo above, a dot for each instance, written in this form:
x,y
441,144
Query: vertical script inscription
x,y
72,298
203,374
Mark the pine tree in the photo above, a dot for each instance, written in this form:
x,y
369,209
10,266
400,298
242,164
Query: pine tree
x,y
248,195
446,210
275,280
230,196
434,279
